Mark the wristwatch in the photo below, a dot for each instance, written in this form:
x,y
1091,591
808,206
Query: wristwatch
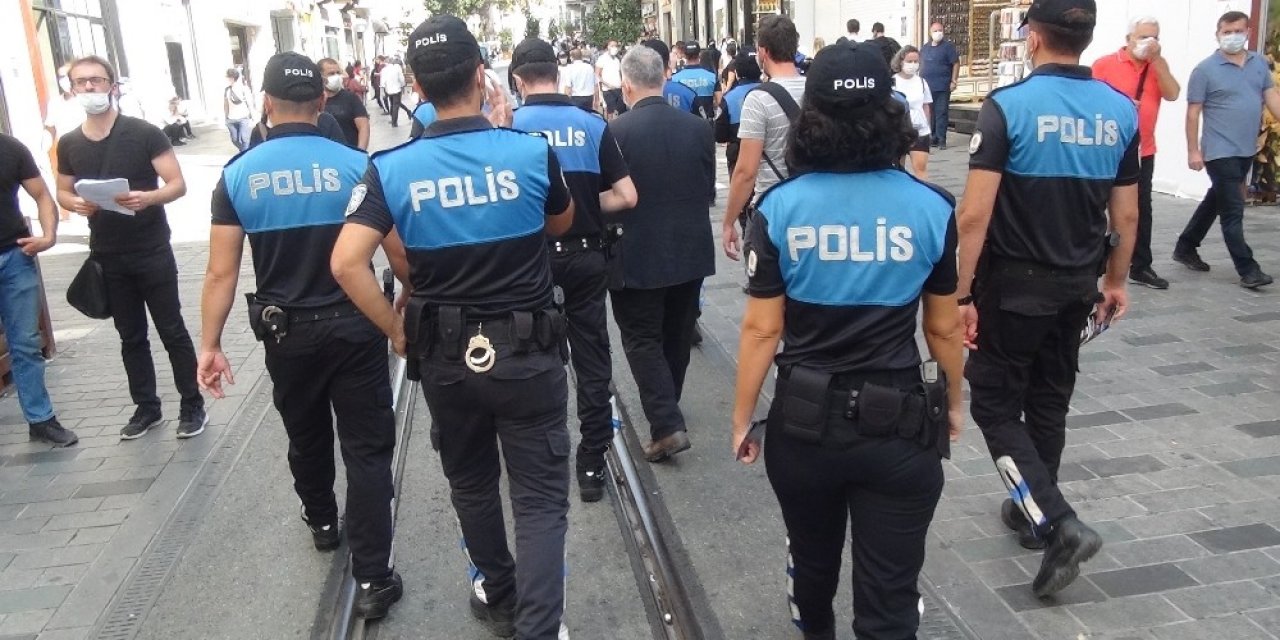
x,y
965,301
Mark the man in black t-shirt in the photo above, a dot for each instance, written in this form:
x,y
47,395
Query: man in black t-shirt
x,y
130,239
20,287
346,107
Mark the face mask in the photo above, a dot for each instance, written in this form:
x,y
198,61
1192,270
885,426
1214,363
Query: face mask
x,y
613,51
64,83
94,103
1142,48
937,36
1233,42
333,82
910,68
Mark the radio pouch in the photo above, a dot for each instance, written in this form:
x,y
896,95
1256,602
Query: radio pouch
x,y
255,316
449,323
416,336
879,409
804,412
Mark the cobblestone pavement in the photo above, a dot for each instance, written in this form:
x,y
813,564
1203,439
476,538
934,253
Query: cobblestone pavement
x,y
1173,454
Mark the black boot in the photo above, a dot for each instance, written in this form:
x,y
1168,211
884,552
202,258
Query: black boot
x,y
498,617
1071,543
374,599
1013,518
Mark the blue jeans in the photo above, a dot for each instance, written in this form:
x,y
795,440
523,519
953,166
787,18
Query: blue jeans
x,y
941,115
1225,201
240,131
20,313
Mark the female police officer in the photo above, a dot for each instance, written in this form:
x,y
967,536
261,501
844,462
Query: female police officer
x,y
858,425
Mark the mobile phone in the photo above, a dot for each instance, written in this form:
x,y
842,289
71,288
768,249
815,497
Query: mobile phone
x,y
754,434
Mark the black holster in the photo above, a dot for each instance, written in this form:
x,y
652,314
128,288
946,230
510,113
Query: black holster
x,y
266,320
804,410
417,337
935,413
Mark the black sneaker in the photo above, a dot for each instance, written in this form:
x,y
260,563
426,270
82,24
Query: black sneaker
x,y
1013,518
1190,259
140,423
52,431
1255,280
1147,277
1073,542
191,422
591,484
499,618
326,536
374,599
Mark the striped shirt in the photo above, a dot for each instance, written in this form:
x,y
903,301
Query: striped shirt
x,y
763,119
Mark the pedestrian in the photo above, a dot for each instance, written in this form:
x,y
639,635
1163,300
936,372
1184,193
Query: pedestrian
x,y
667,248
325,359
375,83
849,328
907,81
138,264
20,288
176,124
888,46
326,123
728,72
579,82
677,95
600,183
237,109
609,78
767,112
1027,300
1228,90
345,107
940,68
488,346
852,28
1140,71
392,87
355,83
730,118
704,82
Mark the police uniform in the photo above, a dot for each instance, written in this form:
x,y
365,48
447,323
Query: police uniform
x,y
676,94
592,163
1062,141
326,360
704,84
854,432
423,115
730,118
469,202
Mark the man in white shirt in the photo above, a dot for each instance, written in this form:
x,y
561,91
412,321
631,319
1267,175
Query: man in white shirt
x,y
609,77
392,80
578,81
852,27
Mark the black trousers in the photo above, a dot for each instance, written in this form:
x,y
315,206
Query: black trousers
x,y
613,102
1142,243
339,368
586,103
394,106
887,489
584,278
523,408
142,282
1225,202
1021,379
657,328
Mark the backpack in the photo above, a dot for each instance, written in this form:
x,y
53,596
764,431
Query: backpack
x,y
789,107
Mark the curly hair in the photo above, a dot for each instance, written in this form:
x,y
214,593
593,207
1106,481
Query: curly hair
x,y
896,63
872,136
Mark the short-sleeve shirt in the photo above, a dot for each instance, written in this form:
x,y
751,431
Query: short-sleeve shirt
x,y
610,71
127,152
852,275
1232,98
1062,141
937,63
917,93
1123,73
764,119
289,194
16,166
345,107
580,79
469,203
679,96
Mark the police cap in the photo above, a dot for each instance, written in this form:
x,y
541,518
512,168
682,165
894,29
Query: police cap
x,y
293,77
440,42
848,75
692,50
747,67
1072,15
532,50
661,48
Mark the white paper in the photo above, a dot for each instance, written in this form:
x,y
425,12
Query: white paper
x,y
103,193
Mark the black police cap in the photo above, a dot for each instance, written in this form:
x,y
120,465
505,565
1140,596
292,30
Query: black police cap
x,y
848,75
441,42
293,77
531,50
661,48
1073,15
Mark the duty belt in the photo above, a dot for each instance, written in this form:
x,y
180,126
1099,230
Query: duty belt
x,y
576,244
447,330
1037,270
270,320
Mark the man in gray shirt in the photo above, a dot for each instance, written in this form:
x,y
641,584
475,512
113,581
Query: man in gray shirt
x,y
1228,89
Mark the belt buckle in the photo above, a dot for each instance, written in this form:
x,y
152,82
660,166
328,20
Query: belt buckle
x,y
480,355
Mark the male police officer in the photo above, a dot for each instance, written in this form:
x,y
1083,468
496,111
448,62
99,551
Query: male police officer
x,y
288,194
703,81
1051,156
472,204
676,94
599,180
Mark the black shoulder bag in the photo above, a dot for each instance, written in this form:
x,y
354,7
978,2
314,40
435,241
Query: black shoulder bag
x,y
87,292
789,107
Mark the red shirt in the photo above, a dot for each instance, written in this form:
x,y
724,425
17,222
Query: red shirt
x,y
1122,72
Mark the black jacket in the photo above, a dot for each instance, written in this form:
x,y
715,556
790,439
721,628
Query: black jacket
x,y
671,154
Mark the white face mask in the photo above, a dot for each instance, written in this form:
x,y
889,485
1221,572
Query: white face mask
x,y
1142,48
333,82
910,68
94,103
1233,43
937,36
613,51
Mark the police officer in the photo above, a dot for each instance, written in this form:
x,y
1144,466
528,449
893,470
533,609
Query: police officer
x,y
472,204
423,115
599,180
676,94
748,78
859,425
1050,157
324,357
703,81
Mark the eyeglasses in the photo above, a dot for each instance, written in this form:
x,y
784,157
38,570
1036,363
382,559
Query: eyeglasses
x,y
97,82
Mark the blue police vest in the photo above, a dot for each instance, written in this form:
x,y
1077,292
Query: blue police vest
x,y
425,113
877,248
734,98
702,81
573,133
678,96
292,182
467,188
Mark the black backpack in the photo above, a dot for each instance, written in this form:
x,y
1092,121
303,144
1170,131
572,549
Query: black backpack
x,y
789,106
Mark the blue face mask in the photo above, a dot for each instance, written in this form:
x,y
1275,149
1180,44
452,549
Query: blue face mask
x,y
1233,43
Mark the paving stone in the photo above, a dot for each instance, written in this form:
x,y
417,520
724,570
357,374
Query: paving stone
x,y
68,466
1176,499
59,507
1184,368
1020,597
1243,513
1243,565
1093,357
1163,524
1158,411
25,622
1099,419
1236,388
1266,429
1134,612
138,485
1253,536
1219,599
1155,550
25,496
1001,573
94,535
69,574
990,549
1118,466
13,578
38,540
79,633
32,599
86,520
1152,339
1236,627
1269,316
39,457
1254,467
1139,580
44,558
1267,619
25,525
1246,350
